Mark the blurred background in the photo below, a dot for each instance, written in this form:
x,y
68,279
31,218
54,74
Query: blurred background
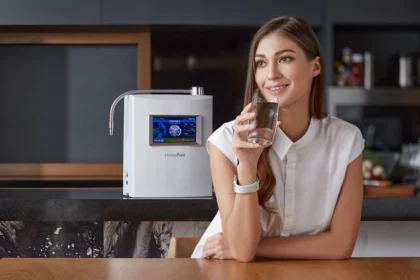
x,y
55,97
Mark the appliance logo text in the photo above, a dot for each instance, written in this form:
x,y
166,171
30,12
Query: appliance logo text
x,y
174,155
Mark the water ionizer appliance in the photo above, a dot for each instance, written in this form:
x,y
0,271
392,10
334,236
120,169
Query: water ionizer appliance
x,y
165,136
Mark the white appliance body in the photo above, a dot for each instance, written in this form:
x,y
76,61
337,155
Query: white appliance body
x,y
172,166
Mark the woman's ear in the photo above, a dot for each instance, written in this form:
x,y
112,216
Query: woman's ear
x,y
316,67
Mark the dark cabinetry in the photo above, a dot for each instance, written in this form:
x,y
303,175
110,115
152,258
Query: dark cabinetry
x,y
216,12
49,12
374,12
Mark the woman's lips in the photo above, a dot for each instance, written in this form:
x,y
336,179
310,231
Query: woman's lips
x,y
276,90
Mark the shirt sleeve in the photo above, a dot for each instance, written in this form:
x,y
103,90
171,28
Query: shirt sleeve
x,y
222,139
357,147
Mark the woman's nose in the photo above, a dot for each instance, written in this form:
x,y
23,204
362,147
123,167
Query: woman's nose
x,y
273,72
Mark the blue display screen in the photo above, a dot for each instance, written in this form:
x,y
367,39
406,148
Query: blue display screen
x,y
174,129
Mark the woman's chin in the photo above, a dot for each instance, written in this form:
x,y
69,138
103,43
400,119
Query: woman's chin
x,y
284,103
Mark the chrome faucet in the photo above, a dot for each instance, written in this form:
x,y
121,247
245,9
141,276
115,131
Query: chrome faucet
x,y
192,91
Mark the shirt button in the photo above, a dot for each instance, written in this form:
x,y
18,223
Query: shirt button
x,y
291,156
289,190
289,215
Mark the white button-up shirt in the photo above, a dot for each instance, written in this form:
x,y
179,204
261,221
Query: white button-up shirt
x,y
309,175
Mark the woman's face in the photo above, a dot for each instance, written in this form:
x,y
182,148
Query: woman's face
x,y
282,70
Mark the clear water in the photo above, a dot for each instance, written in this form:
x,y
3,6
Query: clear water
x,y
265,123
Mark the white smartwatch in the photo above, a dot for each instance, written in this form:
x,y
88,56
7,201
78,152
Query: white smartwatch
x,y
247,188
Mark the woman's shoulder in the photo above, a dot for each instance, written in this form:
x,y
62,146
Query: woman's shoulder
x,y
344,137
225,130
222,139
337,127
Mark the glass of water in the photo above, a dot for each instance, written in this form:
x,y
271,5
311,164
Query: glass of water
x,y
266,116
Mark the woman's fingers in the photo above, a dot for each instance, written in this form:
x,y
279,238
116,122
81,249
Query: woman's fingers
x,y
244,128
242,123
210,251
245,145
244,117
247,108
212,245
209,245
212,238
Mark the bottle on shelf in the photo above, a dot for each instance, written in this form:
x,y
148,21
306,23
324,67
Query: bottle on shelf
x,y
344,68
405,71
369,75
357,69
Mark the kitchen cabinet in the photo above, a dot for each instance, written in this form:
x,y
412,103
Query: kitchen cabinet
x,y
386,29
49,12
202,12
374,12
58,104
386,43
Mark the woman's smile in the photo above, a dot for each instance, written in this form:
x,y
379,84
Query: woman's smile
x,y
277,89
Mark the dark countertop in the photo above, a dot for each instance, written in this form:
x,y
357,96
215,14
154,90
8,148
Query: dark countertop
x,y
98,204
108,204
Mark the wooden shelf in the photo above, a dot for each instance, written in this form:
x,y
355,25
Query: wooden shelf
x,y
61,172
61,178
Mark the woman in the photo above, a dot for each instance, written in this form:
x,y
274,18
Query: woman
x,y
309,201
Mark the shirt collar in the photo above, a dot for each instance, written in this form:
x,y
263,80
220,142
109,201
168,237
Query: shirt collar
x,y
282,144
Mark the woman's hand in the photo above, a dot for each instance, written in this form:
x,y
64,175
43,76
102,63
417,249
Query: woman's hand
x,y
216,247
246,152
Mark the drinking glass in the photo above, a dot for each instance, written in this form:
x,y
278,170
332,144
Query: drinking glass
x,y
266,114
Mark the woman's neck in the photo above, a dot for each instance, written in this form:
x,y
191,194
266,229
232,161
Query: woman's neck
x,y
294,123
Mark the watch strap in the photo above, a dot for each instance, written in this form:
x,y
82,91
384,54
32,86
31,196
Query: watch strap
x,y
246,188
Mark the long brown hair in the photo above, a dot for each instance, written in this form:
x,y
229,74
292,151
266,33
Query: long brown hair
x,y
299,31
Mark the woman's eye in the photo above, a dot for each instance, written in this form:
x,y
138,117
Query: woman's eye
x,y
260,63
286,59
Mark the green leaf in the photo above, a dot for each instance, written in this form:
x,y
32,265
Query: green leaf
x,y
371,155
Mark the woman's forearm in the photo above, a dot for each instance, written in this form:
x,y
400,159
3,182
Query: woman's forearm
x,y
243,224
243,229
319,246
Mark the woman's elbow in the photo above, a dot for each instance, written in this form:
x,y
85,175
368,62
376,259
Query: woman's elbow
x,y
342,256
244,249
343,253
244,254
341,247
243,257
